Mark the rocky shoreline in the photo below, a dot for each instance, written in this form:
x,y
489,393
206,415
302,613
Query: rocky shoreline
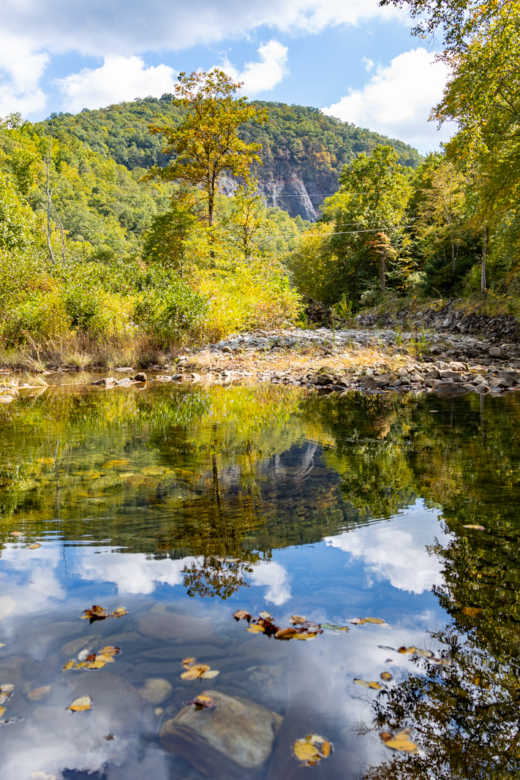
x,y
330,361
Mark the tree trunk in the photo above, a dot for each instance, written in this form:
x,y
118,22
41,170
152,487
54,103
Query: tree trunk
x,y
383,271
483,280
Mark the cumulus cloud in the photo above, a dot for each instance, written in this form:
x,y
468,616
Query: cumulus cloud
x,y
119,78
398,99
275,577
21,68
396,550
264,75
133,573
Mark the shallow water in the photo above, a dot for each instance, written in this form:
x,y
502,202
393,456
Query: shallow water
x,y
185,505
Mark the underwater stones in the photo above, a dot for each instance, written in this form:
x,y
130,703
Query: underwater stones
x,y
140,377
107,381
234,740
156,690
174,626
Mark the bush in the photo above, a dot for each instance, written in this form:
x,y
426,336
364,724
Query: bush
x,y
170,311
41,315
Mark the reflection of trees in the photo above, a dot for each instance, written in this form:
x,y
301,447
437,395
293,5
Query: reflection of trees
x,y
219,576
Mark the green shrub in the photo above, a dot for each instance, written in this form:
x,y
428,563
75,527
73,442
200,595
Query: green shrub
x,y
168,312
41,315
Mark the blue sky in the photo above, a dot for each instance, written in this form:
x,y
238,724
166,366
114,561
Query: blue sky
x,y
352,59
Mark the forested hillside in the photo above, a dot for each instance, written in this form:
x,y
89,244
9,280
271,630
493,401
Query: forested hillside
x,y
303,151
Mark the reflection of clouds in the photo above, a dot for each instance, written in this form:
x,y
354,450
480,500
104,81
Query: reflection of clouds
x,y
275,577
396,550
36,584
133,572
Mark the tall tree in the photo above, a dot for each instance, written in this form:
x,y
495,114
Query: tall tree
x,y
206,144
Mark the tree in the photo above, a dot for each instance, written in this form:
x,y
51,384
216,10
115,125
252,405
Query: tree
x,y
206,143
372,198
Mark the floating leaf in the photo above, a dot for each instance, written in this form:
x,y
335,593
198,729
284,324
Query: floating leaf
x,y
33,546
305,636
296,619
400,741
69,665
39,693
81,704
100,613
109,650
424,653
407,650
256,629
210,674
195,670
242,614
470,611
6,691
266,615
375,621
112,464
188,661
441,661
2,710
386,647
386,676
357,621
336,629
286,633
476,527
16,533
202,702
364,684
312,749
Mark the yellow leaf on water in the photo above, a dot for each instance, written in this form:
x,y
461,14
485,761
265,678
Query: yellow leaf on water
x,y
357,621
188,661
81,704
38,693
304,636
107,659
33,546
386,676
359,681
255,629
109,650
210,674
364,684
407,650
119,612
111,464
295,619
69,665
375,685
424,653
2,710
376,621
265,615
312,749
97,664
195,671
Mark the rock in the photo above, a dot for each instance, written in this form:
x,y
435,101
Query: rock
x,y
232,741
108,381
495,352
126,382
114,700
71,649
140,377
226,349
172,625
163,378
481,388
497,382
124,369
323,379
450,388
195,377
454,375
433,374
156,690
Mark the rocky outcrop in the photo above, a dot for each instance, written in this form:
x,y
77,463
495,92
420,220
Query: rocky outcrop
x,y
449,318
289,193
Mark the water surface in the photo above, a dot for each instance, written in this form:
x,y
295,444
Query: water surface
x,y
185,505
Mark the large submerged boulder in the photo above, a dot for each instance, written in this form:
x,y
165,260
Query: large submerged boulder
x,y
232,741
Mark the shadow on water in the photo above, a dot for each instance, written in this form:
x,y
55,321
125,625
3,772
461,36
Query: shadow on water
x,y
185,505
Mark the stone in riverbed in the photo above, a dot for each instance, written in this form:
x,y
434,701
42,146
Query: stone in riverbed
x,y
232,741
173,625
156,690
107,381
140,377
495,352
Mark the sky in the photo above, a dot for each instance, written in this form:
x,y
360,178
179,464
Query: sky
x,y
352,59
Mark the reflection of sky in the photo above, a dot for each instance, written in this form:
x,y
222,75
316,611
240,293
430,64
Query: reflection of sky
x,y
380,570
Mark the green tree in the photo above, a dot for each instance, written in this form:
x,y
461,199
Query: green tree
x,y
206,144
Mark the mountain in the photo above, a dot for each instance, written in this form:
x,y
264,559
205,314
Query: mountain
x,y
303,152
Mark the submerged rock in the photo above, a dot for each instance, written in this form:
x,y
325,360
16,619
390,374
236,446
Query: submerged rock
x,y
232,741
107,381
140,377
174,626
156,690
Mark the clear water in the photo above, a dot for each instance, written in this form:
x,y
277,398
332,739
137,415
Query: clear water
x,y
184,506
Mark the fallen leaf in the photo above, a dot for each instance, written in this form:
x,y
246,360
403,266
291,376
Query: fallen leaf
x,y
210,674
407,650
16,533
475,527
256,629
69,665
304,636
470,611
424,653
400,741
158,711
242,614
100,613
111,464
386,676
6,691
357,621
188,661
202,702
97,664
364,684
81,704
295,619
312,749
109,650
39,693
109,737
286,633
375,621
33,546
2,710
119,612
335,629
441,661
266,615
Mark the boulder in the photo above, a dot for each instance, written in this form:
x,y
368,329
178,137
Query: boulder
x,y
140,377
107,381
232,741
495,352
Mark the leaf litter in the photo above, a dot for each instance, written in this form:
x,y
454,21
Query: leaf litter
x,y
202,702
100,613
312,749
86,660
300,628
196,671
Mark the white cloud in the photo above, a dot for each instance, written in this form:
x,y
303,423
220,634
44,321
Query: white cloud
x,y
133,572
119,78
396,550
21,68
368,63
275,577
398,99
264,75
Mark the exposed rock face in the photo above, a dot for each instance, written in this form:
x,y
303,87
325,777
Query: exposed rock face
x,y
289,193
232,741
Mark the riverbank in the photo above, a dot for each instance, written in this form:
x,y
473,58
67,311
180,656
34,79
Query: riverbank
x,y
321,359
